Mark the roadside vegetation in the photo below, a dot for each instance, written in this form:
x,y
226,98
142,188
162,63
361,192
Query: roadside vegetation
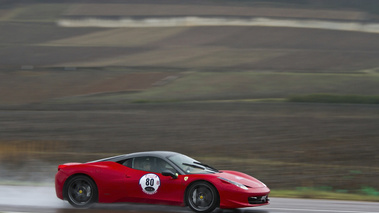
x,y
314,193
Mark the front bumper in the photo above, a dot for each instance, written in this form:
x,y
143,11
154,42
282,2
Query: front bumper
x,y
244,198
258,199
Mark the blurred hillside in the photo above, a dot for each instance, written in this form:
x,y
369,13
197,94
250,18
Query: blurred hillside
x,y
46,60
77,93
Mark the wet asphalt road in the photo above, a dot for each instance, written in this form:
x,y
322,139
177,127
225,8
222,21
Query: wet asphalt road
x,y
42,199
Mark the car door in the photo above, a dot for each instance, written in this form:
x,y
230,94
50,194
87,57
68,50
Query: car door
x,y
146,184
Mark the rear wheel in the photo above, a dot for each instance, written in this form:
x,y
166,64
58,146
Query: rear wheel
x,y
202,197
81,191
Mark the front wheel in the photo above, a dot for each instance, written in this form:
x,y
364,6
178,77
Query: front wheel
x,y
202,197
81,191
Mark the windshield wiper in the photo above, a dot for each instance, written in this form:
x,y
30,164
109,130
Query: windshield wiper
x,y
207,166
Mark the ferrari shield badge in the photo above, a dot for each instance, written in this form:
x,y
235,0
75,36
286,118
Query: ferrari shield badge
x,y
150,183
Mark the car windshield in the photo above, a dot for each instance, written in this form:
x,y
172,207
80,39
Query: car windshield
x,y
191,166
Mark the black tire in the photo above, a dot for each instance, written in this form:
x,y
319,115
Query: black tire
x,y
81,191
202,197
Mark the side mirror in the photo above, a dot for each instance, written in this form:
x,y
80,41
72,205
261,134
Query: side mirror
x,y
170,173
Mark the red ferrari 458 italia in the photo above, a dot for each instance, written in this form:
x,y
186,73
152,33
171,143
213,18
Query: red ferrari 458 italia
x,y
157,177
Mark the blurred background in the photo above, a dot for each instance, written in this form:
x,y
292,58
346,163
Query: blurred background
x,y
283,90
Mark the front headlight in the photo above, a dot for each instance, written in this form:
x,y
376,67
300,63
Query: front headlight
x,y
234,183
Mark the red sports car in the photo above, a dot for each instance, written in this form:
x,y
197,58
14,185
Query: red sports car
x,y
157,178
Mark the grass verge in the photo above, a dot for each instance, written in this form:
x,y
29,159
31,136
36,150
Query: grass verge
x,y
335,98
321,194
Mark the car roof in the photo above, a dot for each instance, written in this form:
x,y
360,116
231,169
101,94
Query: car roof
x,y
160,154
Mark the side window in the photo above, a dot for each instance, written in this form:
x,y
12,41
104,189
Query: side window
x,y
128,163
151,164
143,163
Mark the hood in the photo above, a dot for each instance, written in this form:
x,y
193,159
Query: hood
x,y
241,178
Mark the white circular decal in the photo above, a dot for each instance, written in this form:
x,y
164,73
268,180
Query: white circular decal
x,y
150,183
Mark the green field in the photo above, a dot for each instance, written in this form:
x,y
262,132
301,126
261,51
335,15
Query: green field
x,y
246,86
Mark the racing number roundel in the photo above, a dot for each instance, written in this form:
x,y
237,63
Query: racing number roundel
x,y
150,183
